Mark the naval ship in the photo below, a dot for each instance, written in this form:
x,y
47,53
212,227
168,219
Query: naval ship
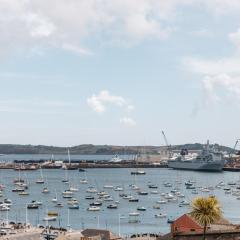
x,y
207,160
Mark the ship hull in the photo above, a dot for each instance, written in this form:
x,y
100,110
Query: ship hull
x,y
210,166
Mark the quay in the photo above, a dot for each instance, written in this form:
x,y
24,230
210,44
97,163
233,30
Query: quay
x,y
30,165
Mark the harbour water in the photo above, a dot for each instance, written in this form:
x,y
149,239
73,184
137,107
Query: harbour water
x,y
114,219
64,157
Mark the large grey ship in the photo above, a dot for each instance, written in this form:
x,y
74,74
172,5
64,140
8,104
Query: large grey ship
x,y
207,160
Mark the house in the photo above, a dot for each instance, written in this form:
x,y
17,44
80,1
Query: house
x,y
187,228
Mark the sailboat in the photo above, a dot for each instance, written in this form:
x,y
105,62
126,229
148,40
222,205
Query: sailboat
x,y
70,166
84,180
137,171
40,180
55,198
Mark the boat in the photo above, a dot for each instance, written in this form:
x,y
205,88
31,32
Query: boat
x,y
141,209
83,181
161,201
81,170
94,208
53,218
73,206
37,202
183,203
32,206
95,204
170,220
73,189
152,186
138,172
115,159
112,206
73,201
118,189
4,208
207,160
18,190
134,214
108,186
160,215
45,190
133,199
142,193
156,206
67,194
54,200
89,197
59,205
23,193
40,180
51,213
91,190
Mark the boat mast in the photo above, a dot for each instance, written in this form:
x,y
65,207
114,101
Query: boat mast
x,y
69,158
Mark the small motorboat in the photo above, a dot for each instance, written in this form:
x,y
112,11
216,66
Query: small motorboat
x,y
141,209
40,181
73,189
142,193
94,208
138,172
51,213
160,215
108,187
156,206
83,181
81,170
170,220
133,199
112,206
32,206
18,190
53,218
134,214
59,205
89,197
73,206
94,204
91,190
45,190
183,203
23,193
152,186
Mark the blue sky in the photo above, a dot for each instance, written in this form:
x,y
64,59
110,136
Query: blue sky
x,y
118,72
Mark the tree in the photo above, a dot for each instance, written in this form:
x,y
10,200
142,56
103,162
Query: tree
x,y
206,211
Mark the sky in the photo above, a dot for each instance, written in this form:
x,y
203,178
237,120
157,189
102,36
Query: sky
x,y
119,71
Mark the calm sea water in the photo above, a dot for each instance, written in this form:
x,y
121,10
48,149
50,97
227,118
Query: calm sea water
x,y
12,157
108,218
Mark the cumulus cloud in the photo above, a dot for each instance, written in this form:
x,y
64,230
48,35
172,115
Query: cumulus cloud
x,y
99,102
128,121
220,77
68,25
104,99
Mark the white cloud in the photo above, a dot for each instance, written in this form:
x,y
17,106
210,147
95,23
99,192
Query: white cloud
x,y
220,77
27,25
98,102
128,121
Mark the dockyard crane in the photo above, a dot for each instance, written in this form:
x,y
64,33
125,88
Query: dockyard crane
x,y
167,145
234,148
